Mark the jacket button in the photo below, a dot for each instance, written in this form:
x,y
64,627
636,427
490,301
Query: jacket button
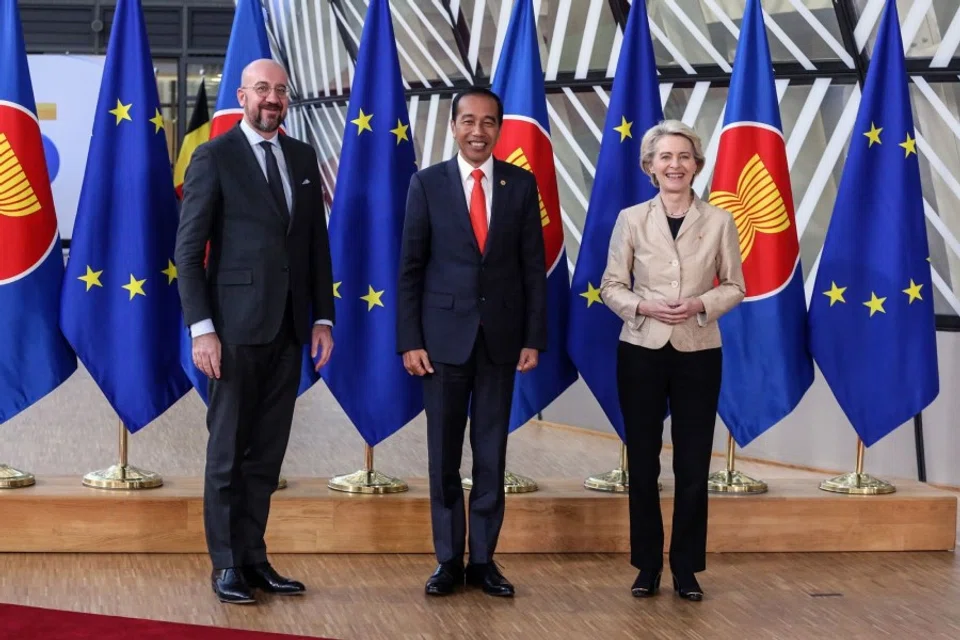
x,y
674,262
674,284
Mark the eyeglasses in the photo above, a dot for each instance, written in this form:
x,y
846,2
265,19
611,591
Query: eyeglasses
x,y
263,90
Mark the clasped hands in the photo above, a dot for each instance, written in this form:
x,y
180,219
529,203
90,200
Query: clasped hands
x,y
671,312
417,362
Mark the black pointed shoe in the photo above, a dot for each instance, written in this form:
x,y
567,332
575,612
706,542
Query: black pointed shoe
x,y
687,587
646,584
262,576
231,587
488,577
445,579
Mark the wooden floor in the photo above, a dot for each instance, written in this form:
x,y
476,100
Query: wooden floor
x,y
363,597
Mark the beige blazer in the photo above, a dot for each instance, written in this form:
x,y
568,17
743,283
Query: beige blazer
x,y
707,248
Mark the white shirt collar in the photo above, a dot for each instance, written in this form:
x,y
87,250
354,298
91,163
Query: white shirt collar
x,y
254,138
466,168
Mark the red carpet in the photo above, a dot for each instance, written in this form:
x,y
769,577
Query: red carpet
x,y
29,623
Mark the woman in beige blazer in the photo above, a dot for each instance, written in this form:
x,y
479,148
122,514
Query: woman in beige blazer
x,y
673,268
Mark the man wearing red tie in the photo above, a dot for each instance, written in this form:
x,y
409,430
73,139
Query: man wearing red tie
x,y
471,313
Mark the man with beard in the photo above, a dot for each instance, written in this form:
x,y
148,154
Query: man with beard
x,y
265,290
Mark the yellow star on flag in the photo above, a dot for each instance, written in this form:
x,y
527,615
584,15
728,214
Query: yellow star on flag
x,y
372,298
835,294
400,131
122,111
135,287
592,294
170,272
624,129
910,145
913,291
874,134
363,122
158,121
336,289
875,304
91,277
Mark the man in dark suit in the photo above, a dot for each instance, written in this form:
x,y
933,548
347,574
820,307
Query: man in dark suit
x,y
471,313
254,194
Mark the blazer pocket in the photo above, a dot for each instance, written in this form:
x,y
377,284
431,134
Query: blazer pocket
x,y
438,300
234,277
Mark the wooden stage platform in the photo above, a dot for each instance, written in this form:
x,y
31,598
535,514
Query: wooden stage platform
x,y
60,515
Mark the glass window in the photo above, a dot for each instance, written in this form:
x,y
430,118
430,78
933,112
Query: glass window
x,y
922,27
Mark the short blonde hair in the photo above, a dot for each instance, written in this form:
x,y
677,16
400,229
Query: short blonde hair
x,y
648,145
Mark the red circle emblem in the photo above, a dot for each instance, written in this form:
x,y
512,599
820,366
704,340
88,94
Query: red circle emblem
x,y
752,182
524,144
28,220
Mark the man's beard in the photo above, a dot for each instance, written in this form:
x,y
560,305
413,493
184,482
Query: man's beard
x,y
263,124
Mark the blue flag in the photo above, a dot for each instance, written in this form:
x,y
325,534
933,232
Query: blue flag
x,y
619,183
120,306
525,142
365,373
34,356
872,326
766,365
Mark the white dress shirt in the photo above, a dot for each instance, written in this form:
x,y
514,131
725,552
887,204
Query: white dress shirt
x,y
254,138
466,179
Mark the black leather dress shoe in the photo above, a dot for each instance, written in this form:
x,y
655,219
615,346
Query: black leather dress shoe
x,y
687,587
646,584
262,576
445,579
488,577
231,587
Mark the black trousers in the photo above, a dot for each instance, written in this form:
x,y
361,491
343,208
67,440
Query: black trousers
x,y
486,390
249,418
647,380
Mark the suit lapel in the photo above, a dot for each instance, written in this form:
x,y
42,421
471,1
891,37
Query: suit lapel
x,y
251,166
660,219
692,218
287,149
498,189
457,197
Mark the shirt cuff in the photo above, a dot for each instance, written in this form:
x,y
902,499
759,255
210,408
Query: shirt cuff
x,y
326,322
201,328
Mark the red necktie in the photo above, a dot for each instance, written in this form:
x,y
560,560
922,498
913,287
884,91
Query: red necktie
x,y
478,209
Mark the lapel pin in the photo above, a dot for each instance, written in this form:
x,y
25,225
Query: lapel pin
x,y
503,183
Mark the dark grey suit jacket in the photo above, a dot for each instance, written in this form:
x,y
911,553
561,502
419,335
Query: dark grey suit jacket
x,y
255,258
447,288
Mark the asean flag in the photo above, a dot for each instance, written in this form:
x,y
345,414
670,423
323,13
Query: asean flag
x,y
766,365
35,358
525,142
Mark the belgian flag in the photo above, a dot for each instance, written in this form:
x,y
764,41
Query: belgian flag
x,y
198,132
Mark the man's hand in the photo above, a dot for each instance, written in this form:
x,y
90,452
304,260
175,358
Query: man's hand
x,y
206,354
670,312
528,360
322,339
417,362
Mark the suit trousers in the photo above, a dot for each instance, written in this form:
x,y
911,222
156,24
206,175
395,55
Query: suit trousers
x,y
248,419
485,390
648,382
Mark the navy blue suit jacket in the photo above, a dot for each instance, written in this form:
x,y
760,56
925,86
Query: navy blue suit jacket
x,y
447,288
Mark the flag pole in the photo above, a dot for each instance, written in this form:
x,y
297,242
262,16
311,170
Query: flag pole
x,y
11,478
122,475
367,480
512,483
730,480
858,482
618,480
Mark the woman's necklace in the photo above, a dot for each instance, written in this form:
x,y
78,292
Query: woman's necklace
x,y
676,215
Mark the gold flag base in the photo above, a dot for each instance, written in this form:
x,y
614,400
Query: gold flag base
x,y
367,480
858,482
281,483
122,477
729,481
512,483
11,478
616,481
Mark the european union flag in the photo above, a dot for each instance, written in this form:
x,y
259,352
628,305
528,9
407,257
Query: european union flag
x,y
120,307
872,327
365,373
634,107
34,357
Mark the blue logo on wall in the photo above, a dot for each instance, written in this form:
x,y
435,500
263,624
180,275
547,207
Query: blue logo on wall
x,y
52,156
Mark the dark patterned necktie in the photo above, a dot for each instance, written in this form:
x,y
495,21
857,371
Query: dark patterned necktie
x,y
273,179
